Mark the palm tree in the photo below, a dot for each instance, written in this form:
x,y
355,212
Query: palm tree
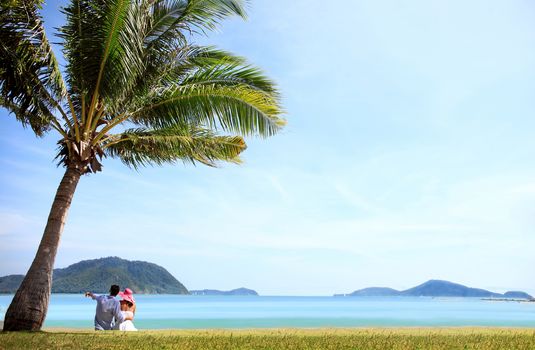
x,y
134,87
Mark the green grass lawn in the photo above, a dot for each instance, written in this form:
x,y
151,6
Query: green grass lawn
x,y
397,338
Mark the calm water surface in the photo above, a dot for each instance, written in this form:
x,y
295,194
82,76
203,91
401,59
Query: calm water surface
x,y
176,311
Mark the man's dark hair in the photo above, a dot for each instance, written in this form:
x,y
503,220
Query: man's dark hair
x,y
114,290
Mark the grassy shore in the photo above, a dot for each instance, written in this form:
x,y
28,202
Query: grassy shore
x,y
382,338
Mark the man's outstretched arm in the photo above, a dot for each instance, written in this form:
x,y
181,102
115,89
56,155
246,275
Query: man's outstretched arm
x,y
91,295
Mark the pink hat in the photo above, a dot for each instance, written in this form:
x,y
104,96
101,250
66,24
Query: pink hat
x,y
127,295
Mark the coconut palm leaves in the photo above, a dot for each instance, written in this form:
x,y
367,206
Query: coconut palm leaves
x,y
30,80
137,147
130,62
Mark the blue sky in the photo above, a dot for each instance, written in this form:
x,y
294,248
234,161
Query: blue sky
x,y
408,155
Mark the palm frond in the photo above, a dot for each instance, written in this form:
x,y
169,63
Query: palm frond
x,y
239,109
157,71
168,26
81,48
164,70
121,59
172,20
142,147
98,39
31,84
203,15
38,117
228,71
213,88
112,45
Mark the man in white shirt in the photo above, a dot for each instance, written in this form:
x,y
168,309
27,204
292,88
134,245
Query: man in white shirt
x,y
108,309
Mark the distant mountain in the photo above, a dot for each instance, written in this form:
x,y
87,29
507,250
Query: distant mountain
x,y
438,288
10,284
99,274
375,292
239,291
517,295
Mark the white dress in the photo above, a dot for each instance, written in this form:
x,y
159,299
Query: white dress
x,y
126,325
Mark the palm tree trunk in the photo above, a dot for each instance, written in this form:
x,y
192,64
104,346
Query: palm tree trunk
x,y
28,309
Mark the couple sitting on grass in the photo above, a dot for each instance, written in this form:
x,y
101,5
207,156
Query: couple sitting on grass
x,y
112,313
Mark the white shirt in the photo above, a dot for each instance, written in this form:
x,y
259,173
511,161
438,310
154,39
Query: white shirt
x,y
108,308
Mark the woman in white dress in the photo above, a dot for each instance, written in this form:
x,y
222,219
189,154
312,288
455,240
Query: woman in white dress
x,y
128,308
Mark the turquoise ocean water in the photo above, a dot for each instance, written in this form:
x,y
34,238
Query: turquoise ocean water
x,y
174,311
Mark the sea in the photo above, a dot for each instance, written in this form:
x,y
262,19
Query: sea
x,y
231,312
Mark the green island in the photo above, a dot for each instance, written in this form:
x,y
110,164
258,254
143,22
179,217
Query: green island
x,y
98,274
364,338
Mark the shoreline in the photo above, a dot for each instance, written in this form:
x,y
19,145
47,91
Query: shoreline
x,y
294,330
510,300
